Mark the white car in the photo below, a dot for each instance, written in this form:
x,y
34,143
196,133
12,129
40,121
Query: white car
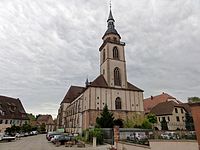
x,y
138,136
170,135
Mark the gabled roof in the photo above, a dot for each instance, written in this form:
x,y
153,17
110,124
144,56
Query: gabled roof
x,y
165,108
73,92
11,108
99,82
133,87
152,101
186,106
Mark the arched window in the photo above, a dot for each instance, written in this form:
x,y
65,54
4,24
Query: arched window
x,y
117,79
115,53
104,55
118,104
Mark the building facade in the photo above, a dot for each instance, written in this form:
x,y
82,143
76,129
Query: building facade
x,y
11,113
168,108
82,105
172,113
47,121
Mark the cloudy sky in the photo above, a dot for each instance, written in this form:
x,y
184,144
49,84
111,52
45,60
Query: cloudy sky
x,y
48,45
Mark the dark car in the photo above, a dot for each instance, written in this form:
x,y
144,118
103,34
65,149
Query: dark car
x,y
60,140
51,135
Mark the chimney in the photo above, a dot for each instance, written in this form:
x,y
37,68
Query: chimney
x,y
151,97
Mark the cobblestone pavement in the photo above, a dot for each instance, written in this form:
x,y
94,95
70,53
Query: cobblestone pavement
x,y
39,142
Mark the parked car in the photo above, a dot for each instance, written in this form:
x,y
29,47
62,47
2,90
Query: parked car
x,y
137,136
60,140
191,135
51,135
5,137
170,135
33,133
54,137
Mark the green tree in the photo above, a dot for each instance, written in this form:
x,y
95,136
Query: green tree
x,y
189,124
134,122
152,118
8,130
26,128
98,133
193,99
43,128
146,124
106,120
31,117
118,122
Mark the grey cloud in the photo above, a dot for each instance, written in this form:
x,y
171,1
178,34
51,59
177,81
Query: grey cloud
x,y
48,45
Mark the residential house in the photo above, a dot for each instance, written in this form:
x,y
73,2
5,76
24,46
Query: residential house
x,y
152,101
47,121
12,112
173,113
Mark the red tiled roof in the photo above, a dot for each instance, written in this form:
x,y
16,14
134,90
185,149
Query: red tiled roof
x,y
11,108
152,101
72,93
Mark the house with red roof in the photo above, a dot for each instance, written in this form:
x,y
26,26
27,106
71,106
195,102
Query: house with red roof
x,y
168,109
152,101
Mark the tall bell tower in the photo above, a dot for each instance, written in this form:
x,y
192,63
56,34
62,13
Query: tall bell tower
x,y
112,56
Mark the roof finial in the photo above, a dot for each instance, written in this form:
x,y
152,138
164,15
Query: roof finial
x,y
110,4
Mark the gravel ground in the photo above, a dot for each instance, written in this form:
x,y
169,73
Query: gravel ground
x,y
39,142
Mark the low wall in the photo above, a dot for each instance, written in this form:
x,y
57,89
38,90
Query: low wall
x,y
131,146
160,145
174,145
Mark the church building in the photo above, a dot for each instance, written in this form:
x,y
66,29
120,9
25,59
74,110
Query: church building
x,y
82,105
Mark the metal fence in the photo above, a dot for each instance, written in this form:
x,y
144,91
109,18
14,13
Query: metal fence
x,y
108,134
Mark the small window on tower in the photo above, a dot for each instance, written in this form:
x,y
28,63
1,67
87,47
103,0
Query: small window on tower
x,y
117,78
104,55
115,53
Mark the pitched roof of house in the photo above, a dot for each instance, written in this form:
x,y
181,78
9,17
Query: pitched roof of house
x,y
12,108
152,101
186,106
72,93
47,119
165,108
